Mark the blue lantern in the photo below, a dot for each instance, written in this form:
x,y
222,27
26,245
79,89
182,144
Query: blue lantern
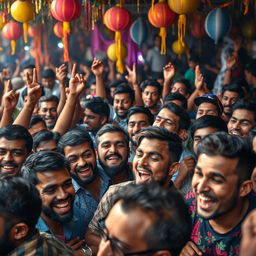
x,y
138,31
217,23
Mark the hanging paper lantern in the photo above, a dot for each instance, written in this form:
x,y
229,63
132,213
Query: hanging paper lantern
x,y
197,26
65,11
138,31
249,29
58,29
217,23
23,11
2,20
117,19
178,48
183,7
161,16
111,52
12,31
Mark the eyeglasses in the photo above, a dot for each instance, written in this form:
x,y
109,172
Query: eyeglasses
x,y
117,249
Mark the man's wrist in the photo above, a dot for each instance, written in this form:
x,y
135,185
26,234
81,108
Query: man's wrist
x,y
87,250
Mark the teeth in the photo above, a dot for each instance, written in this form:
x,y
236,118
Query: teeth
x,y
204,198
8,167
62,205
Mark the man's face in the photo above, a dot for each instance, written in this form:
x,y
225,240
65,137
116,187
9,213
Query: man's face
x,y
206,108
37,128
82,161
150,96
122,103
47,145
241,122
136,123
57,194
228,99
113,152
167,120
13,153
215,184
24,74
93,122
152,162
93,89
48,82
48,111
254,144
200,134
180,88
127,229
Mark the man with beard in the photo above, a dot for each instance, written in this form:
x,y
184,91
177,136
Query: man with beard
x,y
113,152
15,145
156,159
230,95
49,172
243,118
47,109
89,180
19,212
219,201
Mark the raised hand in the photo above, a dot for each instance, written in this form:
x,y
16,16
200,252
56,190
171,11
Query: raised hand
x,y
34,88
77,83
61,74
132,74
10,97
199,79
168,72
97,67
231,61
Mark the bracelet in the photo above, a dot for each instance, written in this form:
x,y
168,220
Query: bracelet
x,y
87,250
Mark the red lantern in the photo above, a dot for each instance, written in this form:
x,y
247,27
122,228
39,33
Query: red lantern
x,y
117,19
65,11
58,29
161,16
197,26
12,31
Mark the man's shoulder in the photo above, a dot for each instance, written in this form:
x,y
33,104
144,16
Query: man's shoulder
x,y
114,188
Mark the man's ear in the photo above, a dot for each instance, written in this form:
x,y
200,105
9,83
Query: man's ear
x,y
245,188
103,120
173,168
19,231
182,134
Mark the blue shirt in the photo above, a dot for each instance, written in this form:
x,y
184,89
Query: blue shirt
x,y
72,229
84,199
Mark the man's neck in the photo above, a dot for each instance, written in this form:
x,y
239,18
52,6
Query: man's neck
x,y
154,110
94,188
121,177
230,220
54,226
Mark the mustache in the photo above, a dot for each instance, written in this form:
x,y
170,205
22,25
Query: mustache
x,y
59,201
207,194
8,163
110,155
79,168
227,106
145,168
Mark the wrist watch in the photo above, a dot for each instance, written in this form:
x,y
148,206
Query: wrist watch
x,y
87,250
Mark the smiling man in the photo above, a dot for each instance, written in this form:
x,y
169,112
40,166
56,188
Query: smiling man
x,y
49,172
15,145
219,202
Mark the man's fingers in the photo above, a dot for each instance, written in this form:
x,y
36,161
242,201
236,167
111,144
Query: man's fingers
x,y
73,73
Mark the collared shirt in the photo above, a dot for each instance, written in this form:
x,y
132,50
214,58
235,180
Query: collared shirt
x,y
85,200
74,228
41,244
115,119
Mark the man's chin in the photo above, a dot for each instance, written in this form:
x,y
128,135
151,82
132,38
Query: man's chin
x,y
64,218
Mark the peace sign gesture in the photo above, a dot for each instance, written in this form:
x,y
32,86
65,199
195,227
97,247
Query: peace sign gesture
x,y
10,97
77,83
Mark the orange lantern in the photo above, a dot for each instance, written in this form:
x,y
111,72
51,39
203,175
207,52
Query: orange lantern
x,y
65,11
161,16
23,11
117,19
58,29
12,31
183,7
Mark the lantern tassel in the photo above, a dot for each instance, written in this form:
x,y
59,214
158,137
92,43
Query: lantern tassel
x,y
13,47
246,8
25,32
182,22
66,32
119,63
162,34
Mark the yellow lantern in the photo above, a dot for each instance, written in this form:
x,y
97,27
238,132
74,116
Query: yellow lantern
x,y
112,54
23,11
178,48
183,7
2,22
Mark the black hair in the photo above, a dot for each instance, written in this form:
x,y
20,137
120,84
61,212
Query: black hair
x,y
151,82
184,121
48,73
74,137
143,110
98,106
43,161
19,201
251,67
44,135
185,82
246,104
229,146
176,96
125,88
252,134
48,99
35,120
208,121
112,128
172,139
17,132
30,66
235,87
171,219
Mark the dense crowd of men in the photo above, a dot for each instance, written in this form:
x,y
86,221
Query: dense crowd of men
x,y
157,167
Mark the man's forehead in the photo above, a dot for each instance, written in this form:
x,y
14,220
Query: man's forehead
x,y
207,105
53,176
138,117
19,143
122,96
